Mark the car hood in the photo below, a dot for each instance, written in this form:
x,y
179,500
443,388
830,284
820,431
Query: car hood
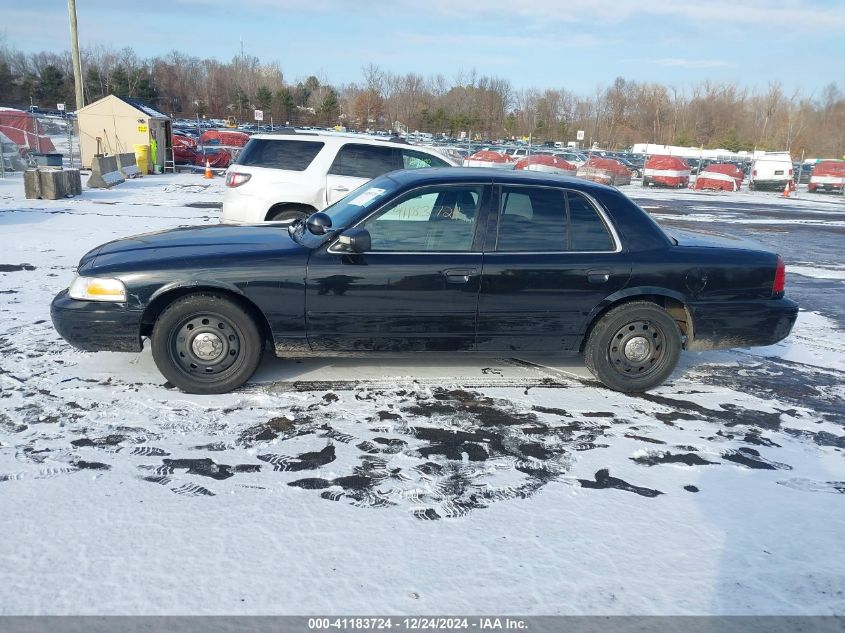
x,y
191,243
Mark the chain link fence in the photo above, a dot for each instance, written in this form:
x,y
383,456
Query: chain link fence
x,y
36,139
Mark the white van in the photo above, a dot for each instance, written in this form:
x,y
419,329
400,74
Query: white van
x,y
772,170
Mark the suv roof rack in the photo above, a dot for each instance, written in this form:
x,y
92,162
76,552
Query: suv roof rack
x,y
350,135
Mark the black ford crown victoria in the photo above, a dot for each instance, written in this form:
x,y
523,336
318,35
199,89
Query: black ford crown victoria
x,y
433,260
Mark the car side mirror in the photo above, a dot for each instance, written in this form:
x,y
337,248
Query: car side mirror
x,y
356,240
318,223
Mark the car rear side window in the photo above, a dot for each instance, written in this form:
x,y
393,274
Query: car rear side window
x,y
364,161
279,154
532,219
587,230
543,219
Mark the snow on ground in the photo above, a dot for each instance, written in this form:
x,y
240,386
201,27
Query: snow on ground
x,y
443,485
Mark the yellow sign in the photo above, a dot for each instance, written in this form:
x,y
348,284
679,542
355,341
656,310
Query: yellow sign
x,y
142,128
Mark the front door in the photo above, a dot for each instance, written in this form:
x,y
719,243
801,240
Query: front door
x,y
415,290
556,258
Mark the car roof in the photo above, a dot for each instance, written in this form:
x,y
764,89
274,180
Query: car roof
x,y
441,175
337,137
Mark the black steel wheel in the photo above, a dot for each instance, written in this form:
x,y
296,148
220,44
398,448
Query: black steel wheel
x,y
206,344
633,347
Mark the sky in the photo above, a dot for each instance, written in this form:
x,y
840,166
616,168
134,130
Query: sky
x,y
580,45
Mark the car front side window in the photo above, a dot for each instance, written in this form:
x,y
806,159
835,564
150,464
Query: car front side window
x,y
427,220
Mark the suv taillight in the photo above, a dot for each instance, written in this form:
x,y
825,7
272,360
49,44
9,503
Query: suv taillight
x,y
236,179
779,286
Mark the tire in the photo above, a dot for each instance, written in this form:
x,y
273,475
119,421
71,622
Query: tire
x,y
634,347
222,360
288,214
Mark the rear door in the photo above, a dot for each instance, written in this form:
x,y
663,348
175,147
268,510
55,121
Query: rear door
x,y
355,164
556,258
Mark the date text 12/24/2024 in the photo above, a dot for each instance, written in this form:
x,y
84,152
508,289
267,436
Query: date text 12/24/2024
x,y
416,624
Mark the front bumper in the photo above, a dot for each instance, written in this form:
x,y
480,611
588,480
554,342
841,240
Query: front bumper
x,y
741,323
96,326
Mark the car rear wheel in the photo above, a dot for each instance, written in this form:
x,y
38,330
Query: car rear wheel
x,y
633,347
206,344
286,215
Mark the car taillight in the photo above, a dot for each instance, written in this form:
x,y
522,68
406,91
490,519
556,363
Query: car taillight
x,y
754,173
780,278
236,179
790,172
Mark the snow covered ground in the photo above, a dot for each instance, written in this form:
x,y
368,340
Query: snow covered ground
x,y
417,486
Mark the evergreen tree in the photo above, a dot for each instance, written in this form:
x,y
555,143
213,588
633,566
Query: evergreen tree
x,y
329,108
7,87
263,98
51,87
119,82
284,108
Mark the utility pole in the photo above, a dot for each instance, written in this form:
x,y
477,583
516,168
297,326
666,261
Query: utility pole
x,y
74,51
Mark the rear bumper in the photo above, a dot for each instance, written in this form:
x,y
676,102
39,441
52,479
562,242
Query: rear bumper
x,y
242,208
741,323
95,326
772,184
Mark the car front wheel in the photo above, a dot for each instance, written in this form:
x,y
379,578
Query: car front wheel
x,y
206,344
634,347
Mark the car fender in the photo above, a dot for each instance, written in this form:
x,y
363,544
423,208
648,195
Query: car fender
x,y
192,284
633,293
297,194
159,299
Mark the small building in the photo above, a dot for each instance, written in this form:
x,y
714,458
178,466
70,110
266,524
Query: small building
x,y
115,125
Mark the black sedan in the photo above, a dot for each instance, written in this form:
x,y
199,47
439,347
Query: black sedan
x,y
472,260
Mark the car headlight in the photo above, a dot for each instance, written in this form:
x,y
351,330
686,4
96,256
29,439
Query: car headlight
x,y
97,289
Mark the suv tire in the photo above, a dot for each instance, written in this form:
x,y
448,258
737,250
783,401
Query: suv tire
x,y
286,214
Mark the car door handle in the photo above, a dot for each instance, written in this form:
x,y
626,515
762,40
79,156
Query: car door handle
x,y
459,275
598,276
340,189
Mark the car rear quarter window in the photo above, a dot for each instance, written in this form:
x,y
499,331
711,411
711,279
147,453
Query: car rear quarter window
x,y
587,230
294,155
364,161
416,160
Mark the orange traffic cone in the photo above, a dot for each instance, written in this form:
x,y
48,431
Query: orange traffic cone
x,y
208,173
785,193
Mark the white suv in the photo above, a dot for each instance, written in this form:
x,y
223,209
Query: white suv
x,y
285,177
